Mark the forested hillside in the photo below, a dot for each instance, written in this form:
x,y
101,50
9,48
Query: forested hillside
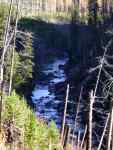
x,y
56,75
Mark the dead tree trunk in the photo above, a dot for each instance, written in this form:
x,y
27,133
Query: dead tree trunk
x,y
5,46
13,49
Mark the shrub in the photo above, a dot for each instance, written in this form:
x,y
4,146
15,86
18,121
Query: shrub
x,y
36,132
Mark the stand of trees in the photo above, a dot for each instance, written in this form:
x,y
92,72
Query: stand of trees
x,y
90,51
19,127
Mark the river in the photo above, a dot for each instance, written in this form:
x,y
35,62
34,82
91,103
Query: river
x,y
44,96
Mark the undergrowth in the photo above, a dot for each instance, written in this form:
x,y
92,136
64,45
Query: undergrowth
x,y
20,121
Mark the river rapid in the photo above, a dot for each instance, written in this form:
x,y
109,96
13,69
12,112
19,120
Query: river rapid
x,y
46,103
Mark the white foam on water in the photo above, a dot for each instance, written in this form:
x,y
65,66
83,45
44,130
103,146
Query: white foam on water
x,y
41,94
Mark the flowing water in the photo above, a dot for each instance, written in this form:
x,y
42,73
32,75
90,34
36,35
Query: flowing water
x,y
43,95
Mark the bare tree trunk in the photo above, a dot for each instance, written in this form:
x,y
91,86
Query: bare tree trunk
x,y
90,120
110,129
5,46
83,139
101,140
13,50
65,111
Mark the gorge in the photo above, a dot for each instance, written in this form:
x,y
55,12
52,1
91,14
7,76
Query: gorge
x,y
62,66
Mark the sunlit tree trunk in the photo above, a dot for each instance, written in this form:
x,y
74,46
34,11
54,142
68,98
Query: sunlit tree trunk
x,y
13,49
109,7
90,129
40,5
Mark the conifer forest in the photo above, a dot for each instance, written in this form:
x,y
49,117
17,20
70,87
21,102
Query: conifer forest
x,y
56,74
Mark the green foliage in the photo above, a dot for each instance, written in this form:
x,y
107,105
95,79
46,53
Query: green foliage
x,y
58,16
3,15
4,12
49,16
24,64
75,14
36,132
51,135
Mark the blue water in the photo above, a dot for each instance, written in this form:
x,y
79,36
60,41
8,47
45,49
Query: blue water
x,y
43,98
